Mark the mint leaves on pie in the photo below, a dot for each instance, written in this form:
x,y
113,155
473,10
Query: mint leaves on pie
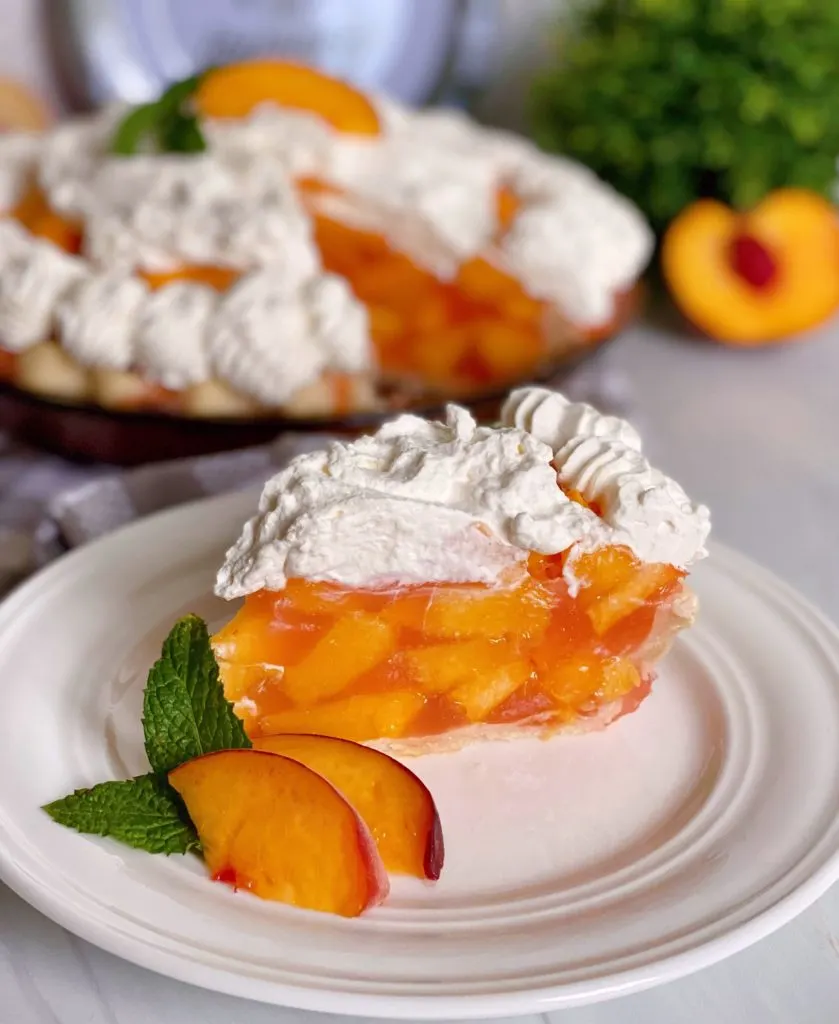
x,y
145,813
168,125
185,712
185,715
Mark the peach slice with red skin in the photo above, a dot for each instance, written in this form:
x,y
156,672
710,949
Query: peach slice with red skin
x,y
272,826
756,277
394,804
236,89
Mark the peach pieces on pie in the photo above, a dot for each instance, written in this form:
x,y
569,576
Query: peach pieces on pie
x,y
419,661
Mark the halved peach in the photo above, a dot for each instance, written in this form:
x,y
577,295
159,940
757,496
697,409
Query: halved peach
x,y
395,805
759,276
236,89
272,826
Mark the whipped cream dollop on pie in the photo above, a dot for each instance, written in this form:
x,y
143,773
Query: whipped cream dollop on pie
x,y
453,501
470,227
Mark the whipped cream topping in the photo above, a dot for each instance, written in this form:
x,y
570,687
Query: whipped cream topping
x,y
170,345
34,275
575,242
157,212
601,458
339,322
402,178
71,156
269,338
452,501
294,141
97,319
429,183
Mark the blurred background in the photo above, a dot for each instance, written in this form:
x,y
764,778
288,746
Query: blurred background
x,y
77,53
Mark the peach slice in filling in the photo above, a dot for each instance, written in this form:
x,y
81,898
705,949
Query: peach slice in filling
x,y
415,661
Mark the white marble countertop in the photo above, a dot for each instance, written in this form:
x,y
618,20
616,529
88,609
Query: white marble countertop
x,y
756,436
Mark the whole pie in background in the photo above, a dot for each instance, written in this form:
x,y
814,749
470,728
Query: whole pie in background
x,y
267,240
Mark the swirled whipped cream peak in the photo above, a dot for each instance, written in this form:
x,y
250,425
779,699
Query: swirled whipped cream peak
x,y
422,501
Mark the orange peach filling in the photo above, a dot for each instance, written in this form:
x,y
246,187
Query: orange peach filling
x,y
423,660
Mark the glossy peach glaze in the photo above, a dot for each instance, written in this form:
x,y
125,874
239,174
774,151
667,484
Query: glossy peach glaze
x,y
423,660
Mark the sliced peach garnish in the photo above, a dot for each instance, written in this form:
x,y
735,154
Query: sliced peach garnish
x,y
354,645
220,278
394,804
276,828
756,277
365,716
237,89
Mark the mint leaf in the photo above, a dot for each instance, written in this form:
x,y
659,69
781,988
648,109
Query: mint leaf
x,y
136,128
185,712
168,125
145,813
181,133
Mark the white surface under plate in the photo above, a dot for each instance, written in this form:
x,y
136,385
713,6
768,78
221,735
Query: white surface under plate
x,y
577,869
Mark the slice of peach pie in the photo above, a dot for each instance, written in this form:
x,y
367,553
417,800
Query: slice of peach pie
x,y
439,582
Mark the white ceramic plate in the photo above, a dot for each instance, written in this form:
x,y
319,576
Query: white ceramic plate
x,y
576,870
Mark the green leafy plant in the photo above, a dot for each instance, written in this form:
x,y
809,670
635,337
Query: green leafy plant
x,y
671,100
185,715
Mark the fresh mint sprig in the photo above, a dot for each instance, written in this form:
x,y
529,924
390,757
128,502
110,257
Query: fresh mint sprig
x,y
185,715
168,125
185,712
145,813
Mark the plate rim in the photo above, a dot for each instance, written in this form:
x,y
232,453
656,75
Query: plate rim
x,y
138,951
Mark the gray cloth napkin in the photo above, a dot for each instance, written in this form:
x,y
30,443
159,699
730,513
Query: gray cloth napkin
x,y
48,505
